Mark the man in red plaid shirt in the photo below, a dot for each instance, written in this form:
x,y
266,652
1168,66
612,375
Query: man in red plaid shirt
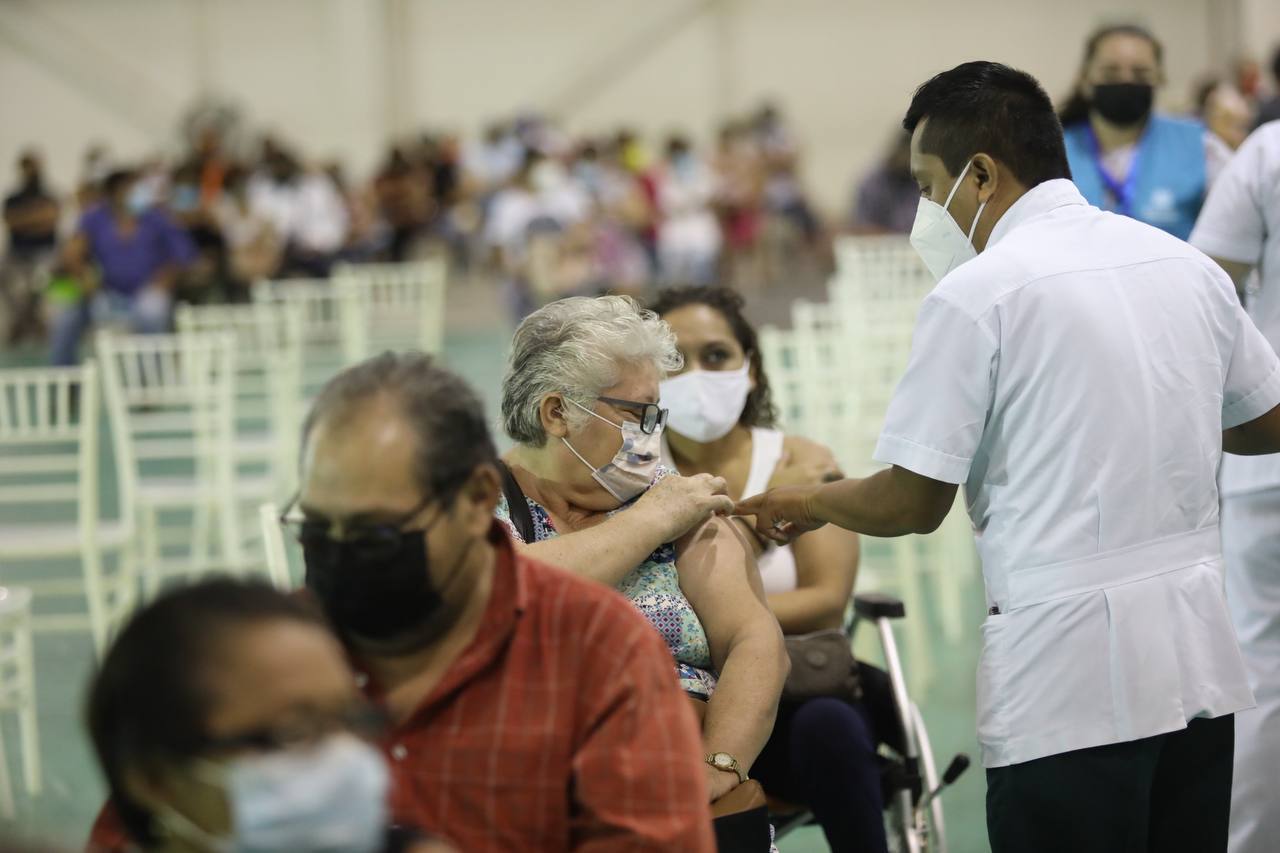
x,y
529,709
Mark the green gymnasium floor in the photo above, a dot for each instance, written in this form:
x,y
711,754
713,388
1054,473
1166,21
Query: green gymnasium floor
x,y
476,345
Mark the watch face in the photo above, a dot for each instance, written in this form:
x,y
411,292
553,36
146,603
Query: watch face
x,y
723,760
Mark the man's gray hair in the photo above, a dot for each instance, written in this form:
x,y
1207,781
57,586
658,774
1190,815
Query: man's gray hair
x,y
446,415
578,347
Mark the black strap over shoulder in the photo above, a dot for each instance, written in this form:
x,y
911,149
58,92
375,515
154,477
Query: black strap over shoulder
x,y
517,506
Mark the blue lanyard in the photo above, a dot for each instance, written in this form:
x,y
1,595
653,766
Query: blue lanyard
x,y
1121,192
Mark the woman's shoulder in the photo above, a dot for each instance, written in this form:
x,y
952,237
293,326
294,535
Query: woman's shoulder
x,y
804,450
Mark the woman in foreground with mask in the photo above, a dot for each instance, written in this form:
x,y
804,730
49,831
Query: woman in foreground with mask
x,y
224,718
1124,156
587,493
822,753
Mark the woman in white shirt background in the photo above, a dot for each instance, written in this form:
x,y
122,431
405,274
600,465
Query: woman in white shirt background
x,y
822,753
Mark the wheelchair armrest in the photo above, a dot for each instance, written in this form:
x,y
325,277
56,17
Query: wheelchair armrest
x,y
876,605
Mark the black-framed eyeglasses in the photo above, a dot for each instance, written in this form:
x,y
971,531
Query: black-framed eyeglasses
x,y
651,415
362,719
371,539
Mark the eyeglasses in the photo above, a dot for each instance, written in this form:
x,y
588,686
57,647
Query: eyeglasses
x,y
651,415
362,719
371,540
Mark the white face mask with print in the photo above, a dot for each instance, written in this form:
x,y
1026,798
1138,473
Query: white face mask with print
x,y
704,405
633,467
937,237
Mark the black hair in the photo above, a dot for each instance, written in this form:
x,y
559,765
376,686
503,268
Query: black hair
x,y
148,703
117,179
1275,65
759,410
1076,107
989,108
446,415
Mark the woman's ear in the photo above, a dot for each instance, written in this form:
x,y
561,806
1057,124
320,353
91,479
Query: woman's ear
x,y
551,411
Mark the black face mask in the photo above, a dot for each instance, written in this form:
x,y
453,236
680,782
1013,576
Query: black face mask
x,y
1124,104
376,589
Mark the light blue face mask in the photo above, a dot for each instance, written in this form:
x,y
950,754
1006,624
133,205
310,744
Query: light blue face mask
x,y
326,798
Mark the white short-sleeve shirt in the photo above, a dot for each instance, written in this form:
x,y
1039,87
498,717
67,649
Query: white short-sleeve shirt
x,y
1076,378
1240,222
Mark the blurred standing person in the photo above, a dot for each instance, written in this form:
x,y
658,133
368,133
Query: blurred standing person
x,y
1228,117
886,199
1124,157
1269,110
1240,229
739,174
688,234
31,218
402,193
126,254
511,212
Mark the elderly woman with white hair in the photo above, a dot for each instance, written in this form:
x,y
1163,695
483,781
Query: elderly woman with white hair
x,y
580,399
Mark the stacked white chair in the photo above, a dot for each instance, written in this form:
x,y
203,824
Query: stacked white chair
x,y
268,382
393,306
18,693
833,374
49,466
170,404
326,315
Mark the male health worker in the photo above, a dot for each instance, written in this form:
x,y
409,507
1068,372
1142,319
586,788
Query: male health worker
x,y
1080,373
1240,228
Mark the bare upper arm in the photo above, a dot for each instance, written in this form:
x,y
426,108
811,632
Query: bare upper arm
x,y
719,577
1256,437
827,559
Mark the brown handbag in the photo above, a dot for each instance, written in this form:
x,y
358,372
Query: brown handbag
x,y
822,664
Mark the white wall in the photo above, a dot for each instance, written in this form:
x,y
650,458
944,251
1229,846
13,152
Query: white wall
x,y
338,76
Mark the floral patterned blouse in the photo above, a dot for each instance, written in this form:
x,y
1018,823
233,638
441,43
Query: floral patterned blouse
x,y
654,588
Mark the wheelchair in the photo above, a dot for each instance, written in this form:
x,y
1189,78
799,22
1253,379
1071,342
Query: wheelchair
x,y
914,821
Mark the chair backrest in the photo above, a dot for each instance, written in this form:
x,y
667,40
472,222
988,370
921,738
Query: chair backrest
x,y
327,316
49,443
277,558
268,338
396,306
169,400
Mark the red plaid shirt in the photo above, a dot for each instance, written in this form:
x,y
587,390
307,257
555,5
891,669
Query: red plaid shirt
x,y
559,728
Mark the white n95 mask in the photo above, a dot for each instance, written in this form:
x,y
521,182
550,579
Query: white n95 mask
x,y
937,237
633,467
326,798
705,404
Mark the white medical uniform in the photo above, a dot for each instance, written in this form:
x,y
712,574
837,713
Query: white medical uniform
x,y
1076,378
1241,222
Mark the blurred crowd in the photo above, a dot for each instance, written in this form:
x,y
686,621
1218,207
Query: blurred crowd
x,y
549,214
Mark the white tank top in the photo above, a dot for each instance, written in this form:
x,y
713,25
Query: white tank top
x,y
777,563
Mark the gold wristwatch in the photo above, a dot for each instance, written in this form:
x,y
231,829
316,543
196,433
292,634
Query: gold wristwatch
x,y
726,762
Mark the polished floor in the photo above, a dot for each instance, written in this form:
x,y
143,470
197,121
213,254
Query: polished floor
x,y
475,346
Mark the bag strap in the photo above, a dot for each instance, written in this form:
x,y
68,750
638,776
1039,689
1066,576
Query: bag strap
x,y
517,506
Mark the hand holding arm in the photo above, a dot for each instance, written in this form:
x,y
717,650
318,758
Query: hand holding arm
x,y
892,502
608,551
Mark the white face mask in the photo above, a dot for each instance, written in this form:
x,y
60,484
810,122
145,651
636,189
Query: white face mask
x,y
633,467
937,236
705,404
327,798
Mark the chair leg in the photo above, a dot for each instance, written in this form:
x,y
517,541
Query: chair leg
x,y
27,717
148,537
7,808
201,557
95,595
